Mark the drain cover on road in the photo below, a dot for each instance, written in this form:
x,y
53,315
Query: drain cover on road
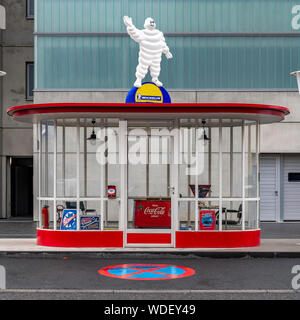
x,y
146,271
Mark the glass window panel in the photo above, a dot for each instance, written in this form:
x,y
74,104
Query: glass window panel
x,y
29,80
94,62
186,215
30,9
251,214
170,15
231,215
47,159
50,206
111,214
250,162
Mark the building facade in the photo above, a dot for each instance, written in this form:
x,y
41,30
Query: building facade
x,y
17,56
224,52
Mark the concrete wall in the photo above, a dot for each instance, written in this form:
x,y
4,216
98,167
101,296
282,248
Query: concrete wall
x,y
16,50
18,29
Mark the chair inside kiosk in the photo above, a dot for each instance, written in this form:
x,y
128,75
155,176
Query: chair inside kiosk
x,y
203,190
231,222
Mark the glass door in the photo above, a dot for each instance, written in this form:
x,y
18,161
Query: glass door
x,y
151,187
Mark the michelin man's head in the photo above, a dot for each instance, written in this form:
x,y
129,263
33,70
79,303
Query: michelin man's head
x,y
149,24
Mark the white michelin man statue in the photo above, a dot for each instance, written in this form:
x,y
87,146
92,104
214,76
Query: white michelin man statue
x,y
152,45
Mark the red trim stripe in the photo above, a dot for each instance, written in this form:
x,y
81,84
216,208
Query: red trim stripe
x,y
180,108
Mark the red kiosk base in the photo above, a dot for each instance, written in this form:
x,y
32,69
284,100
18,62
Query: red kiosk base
x,y
217,239
80,239
114,239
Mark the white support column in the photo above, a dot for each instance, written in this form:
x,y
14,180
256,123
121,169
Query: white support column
x,y
54,173
209,160
78,172
231,165
102,182
243,175
123,183
6,171
249,175
64,158
257,173
40,172
186,138
46,169
148,139
249,156
105,179
85,160
174,181
220,175
196,208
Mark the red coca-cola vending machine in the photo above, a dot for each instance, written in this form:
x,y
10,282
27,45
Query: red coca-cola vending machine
x,y
152,214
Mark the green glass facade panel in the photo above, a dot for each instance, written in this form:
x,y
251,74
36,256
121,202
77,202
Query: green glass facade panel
x,y
170,15
198,63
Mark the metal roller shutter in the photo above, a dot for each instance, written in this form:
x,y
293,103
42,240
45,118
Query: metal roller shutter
x,y
291,202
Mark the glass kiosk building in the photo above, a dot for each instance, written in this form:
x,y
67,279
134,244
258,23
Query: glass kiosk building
x,y
183,175
192,165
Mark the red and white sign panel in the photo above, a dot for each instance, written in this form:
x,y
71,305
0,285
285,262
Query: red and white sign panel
x,y
152,214
207,220
111,192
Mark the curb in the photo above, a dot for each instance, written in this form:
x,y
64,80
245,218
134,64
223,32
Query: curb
x,y
148,255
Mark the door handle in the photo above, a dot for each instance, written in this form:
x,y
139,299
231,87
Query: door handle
x,y
276,193
172,189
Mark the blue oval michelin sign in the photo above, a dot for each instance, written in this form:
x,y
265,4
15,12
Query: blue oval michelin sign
x,y
148,93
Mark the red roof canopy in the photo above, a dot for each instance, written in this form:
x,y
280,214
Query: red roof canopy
x,y
33,113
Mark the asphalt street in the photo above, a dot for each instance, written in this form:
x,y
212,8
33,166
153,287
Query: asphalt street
x,y
77,277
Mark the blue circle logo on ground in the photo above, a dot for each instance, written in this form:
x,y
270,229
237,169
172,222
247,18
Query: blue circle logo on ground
x,y
146,271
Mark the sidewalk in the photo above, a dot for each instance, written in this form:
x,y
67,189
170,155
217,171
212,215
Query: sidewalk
x,y
267,246
278,240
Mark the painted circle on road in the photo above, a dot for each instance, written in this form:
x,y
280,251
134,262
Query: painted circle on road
x,y
146,271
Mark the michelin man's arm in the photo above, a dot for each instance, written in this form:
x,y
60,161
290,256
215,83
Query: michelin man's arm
x,y
165,49
134,33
